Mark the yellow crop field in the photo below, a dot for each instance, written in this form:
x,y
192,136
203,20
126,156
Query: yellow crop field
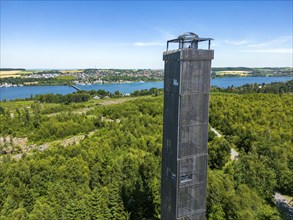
x,y
71,71
233,72
65,77
13,73
27,72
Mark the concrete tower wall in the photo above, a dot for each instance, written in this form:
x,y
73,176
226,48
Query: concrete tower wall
x,y
185,133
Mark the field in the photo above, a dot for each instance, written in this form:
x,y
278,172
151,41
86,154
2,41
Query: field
x,y
233,72
6,74
71,71
13,73
65,77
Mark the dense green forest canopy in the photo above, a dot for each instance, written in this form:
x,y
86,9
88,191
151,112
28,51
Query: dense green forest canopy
x,y
101,159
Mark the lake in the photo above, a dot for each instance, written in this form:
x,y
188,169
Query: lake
x,y
26,91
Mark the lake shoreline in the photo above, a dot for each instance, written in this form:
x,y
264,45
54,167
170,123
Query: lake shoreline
x,y
22,92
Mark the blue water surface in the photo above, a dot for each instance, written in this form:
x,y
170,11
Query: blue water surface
x,y
11,93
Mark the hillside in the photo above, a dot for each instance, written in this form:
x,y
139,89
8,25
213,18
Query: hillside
x,y
245,71
101,159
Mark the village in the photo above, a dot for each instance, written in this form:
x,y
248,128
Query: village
x,y
81,77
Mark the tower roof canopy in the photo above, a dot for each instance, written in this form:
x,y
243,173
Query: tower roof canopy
x,y
188,38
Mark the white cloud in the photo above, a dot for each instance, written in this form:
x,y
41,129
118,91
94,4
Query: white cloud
x,y
236,42
270,50
277,45
147,44
277,42
215,44
165,34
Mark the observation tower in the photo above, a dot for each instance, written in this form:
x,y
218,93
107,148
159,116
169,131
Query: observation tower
x,y
187,77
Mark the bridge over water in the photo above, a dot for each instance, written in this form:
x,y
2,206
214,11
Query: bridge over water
x,y
75,87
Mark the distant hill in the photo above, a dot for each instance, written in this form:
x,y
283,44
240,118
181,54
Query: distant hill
x,y
11,69
246,71
274,87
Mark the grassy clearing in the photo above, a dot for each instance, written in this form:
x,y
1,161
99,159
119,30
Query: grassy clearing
x,y
53,109
12,105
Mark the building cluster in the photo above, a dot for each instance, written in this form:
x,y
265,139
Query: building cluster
x,y
99,76
87,76
43,76
9,85
131,73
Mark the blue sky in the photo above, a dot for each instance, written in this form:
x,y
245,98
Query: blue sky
x,y
133,34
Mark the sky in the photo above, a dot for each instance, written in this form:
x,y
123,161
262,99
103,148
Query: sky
x,y
133,34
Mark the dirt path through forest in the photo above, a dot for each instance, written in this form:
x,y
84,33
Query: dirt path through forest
x,y
234,154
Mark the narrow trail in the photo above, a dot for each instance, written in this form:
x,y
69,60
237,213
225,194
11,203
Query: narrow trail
x,y
103,102
116,101
64,142
216,133
233,154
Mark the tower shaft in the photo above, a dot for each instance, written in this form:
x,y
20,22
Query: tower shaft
x,y
185,133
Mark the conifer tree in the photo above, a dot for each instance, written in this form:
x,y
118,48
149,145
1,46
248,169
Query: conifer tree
x,y
115,202
98,204
19,214
76,210
42,210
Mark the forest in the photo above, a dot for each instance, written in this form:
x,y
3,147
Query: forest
x,y
101,159
275,87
